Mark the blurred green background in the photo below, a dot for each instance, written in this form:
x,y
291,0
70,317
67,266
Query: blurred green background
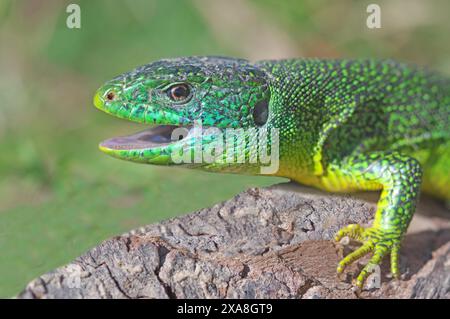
x,y
59,195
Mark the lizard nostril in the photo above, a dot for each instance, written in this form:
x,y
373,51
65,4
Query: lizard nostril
x,y
111,96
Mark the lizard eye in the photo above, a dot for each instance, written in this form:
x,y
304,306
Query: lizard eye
x,y
179,92
261,112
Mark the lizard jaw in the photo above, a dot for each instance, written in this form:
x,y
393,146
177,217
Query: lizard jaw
x,y
155,145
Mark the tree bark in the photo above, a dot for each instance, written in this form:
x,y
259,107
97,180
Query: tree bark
x,y
273,242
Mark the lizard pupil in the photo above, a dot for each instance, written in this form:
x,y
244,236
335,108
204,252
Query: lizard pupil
x,y
179,92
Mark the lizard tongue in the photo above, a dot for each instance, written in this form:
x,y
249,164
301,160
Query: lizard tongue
x,y
149,138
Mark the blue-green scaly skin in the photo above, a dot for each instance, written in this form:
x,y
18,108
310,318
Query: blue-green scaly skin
x,y
345,125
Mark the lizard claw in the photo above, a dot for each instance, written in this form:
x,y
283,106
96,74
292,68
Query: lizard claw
x,y
354,231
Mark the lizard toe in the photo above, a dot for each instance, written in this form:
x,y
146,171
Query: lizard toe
x,y
373,240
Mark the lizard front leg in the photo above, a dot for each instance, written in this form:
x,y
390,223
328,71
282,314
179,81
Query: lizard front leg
x,y
399,178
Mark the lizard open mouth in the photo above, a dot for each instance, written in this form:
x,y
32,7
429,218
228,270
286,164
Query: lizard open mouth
x,y
158,136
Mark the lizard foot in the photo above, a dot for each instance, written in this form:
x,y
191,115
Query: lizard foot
x,y
373,240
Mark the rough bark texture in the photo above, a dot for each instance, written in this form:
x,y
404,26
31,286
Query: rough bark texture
x,y
264,243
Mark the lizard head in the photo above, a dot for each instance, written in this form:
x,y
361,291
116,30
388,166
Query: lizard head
x,y
173,96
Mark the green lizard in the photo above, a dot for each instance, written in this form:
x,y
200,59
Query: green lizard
x,y
343,125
